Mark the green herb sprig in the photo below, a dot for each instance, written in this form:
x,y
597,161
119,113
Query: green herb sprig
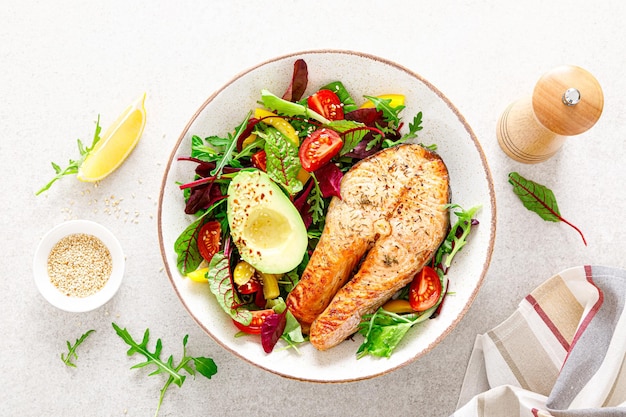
x,y
74,164
71,354
205,366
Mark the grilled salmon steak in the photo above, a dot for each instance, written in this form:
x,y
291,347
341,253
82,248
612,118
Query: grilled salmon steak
x,y
389,222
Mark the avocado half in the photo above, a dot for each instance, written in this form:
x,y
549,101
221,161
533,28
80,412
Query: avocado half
x,y
265,226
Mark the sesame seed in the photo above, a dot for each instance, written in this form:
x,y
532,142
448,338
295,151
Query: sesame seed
x,y
79,265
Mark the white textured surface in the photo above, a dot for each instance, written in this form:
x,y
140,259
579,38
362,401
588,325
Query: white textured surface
x,y
63,63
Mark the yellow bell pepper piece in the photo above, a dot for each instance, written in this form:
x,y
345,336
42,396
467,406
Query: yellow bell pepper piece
x,y
243,272
282,125
247,141
270,286
396,100
398,306
199,275
303,176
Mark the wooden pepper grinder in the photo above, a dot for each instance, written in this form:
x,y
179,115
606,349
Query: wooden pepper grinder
x,y
566,101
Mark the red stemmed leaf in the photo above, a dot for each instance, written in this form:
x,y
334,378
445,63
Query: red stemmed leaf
x,y
301,204
186,247
272,329
298,83
329,178
539,199
221,284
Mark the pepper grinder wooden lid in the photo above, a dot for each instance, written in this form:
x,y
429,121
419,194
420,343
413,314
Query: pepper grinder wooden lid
x,y
566,101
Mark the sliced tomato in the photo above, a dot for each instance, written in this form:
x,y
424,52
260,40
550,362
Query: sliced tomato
x,y
259,160
318,148
326,103
258,317
425,289
209,240
251,286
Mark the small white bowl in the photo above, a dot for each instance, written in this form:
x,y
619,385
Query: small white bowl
x,y
56,297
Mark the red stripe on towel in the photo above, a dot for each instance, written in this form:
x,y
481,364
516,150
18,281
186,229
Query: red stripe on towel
x,y
592,312
546,319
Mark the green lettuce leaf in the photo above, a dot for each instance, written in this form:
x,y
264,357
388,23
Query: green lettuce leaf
x,y
288,108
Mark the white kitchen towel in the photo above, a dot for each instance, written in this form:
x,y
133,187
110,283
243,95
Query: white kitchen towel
x,y
562,353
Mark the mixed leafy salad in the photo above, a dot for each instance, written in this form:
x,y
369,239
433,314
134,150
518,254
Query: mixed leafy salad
x,y
296,149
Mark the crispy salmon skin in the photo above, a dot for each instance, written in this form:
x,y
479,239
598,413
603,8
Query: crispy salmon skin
x,y
389,222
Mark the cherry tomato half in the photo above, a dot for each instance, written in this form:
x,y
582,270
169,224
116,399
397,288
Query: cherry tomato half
x,y
259,160
251,286
425,289
258,317
326,103
319,148
209,239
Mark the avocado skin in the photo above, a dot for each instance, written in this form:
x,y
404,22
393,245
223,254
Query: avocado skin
x,y
264,225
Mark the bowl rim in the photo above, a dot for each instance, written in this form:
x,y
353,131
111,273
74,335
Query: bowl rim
x,y
78,304
451,107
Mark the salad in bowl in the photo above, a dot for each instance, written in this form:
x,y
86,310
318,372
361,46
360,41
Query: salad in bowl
x,y
255,199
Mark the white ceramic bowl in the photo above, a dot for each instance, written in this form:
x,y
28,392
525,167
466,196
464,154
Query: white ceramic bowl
x,y
362,74
56,297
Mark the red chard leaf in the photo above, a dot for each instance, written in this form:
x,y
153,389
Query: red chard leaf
x,y
203,197
272,329
329,179
221,285
299,81
369,116
539,199
302,206
186,247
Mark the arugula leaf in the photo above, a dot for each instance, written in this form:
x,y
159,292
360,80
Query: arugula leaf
x,y
414,127
227,157
73,165
208,149
539,199
205,366
288,108
221,285
72,349
457,236
283,162
391,114
317,203
432,147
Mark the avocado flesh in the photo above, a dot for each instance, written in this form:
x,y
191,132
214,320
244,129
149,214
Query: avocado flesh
x,y
265,226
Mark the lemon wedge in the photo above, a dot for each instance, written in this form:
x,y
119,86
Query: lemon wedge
x,y
114,146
